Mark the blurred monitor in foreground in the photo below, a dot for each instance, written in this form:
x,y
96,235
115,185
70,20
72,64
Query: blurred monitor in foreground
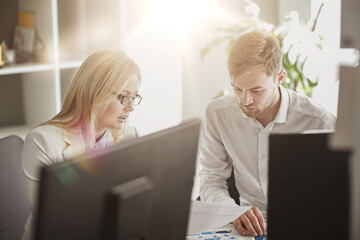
x,y
308,188
139,189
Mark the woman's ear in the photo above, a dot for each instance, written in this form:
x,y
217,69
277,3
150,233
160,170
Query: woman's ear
x,y
281,77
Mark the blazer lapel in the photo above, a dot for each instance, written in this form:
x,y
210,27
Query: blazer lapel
x,y
74,143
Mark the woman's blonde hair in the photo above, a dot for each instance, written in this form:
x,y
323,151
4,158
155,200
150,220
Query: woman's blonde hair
x,y
91,91
255,51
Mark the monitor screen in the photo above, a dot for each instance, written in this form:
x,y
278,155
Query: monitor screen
x,y
140,189
308,188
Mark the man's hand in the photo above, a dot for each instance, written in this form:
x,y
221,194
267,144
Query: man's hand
x,y
251,223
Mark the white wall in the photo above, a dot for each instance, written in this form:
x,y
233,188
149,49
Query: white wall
x,y
303,7
153,42
158,55
269,10
327,92
202,79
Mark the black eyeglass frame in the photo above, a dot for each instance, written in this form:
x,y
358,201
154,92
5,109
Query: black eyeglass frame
x,y
132,99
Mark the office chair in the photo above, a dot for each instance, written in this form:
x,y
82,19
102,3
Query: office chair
x,y
234,193
14,207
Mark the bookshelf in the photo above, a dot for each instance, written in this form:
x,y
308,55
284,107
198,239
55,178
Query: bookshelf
x,y
70,30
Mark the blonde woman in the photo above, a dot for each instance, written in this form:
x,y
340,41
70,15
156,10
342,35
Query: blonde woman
x,y
94,115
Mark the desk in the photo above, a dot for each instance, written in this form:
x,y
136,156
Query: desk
x,y
230,233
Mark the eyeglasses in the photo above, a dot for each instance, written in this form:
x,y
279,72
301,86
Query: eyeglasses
x,y
126,100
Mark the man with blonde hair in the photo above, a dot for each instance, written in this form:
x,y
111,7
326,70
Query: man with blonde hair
x,y
236,127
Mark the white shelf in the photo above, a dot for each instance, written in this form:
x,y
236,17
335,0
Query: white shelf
x,y
71,62
40,67
26,68
69,31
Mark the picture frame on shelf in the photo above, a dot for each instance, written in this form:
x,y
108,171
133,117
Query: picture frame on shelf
x,y
24,43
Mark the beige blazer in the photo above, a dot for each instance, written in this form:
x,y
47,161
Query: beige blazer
x,y
47,145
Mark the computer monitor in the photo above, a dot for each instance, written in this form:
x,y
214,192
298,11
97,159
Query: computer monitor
x,y
140,189
308,194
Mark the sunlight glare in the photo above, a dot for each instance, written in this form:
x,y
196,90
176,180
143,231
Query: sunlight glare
x,y
181,13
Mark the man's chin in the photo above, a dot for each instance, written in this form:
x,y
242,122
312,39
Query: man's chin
x,y
252,114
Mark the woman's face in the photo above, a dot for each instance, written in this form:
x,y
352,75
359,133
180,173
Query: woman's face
x,y
116,114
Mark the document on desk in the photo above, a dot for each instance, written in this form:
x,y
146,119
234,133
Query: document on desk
x,y
208,216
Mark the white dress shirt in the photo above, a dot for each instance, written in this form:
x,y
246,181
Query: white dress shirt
x,y
230,138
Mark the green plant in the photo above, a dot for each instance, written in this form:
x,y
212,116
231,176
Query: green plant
x,y
296,40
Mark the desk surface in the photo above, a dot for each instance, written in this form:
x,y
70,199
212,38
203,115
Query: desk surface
x,y
224,233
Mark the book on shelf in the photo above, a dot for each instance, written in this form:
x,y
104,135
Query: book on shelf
x,y
26,19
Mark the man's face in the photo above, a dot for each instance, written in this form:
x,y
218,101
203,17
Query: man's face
x,y
255,92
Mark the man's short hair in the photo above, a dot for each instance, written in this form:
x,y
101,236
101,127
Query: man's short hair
x,y
255,51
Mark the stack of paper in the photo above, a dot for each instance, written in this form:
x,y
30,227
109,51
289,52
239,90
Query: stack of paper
x,y
209,216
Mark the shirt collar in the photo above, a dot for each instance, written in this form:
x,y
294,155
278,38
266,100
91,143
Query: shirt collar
x,y
101,143
284,106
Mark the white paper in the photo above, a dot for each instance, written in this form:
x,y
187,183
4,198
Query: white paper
x,y
231,233
205,217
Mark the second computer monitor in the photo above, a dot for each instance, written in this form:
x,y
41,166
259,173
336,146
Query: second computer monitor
x,y
138,189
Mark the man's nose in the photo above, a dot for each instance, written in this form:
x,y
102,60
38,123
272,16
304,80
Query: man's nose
x,y
247,99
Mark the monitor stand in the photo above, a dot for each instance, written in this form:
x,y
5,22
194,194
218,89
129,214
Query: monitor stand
x,y
127,211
